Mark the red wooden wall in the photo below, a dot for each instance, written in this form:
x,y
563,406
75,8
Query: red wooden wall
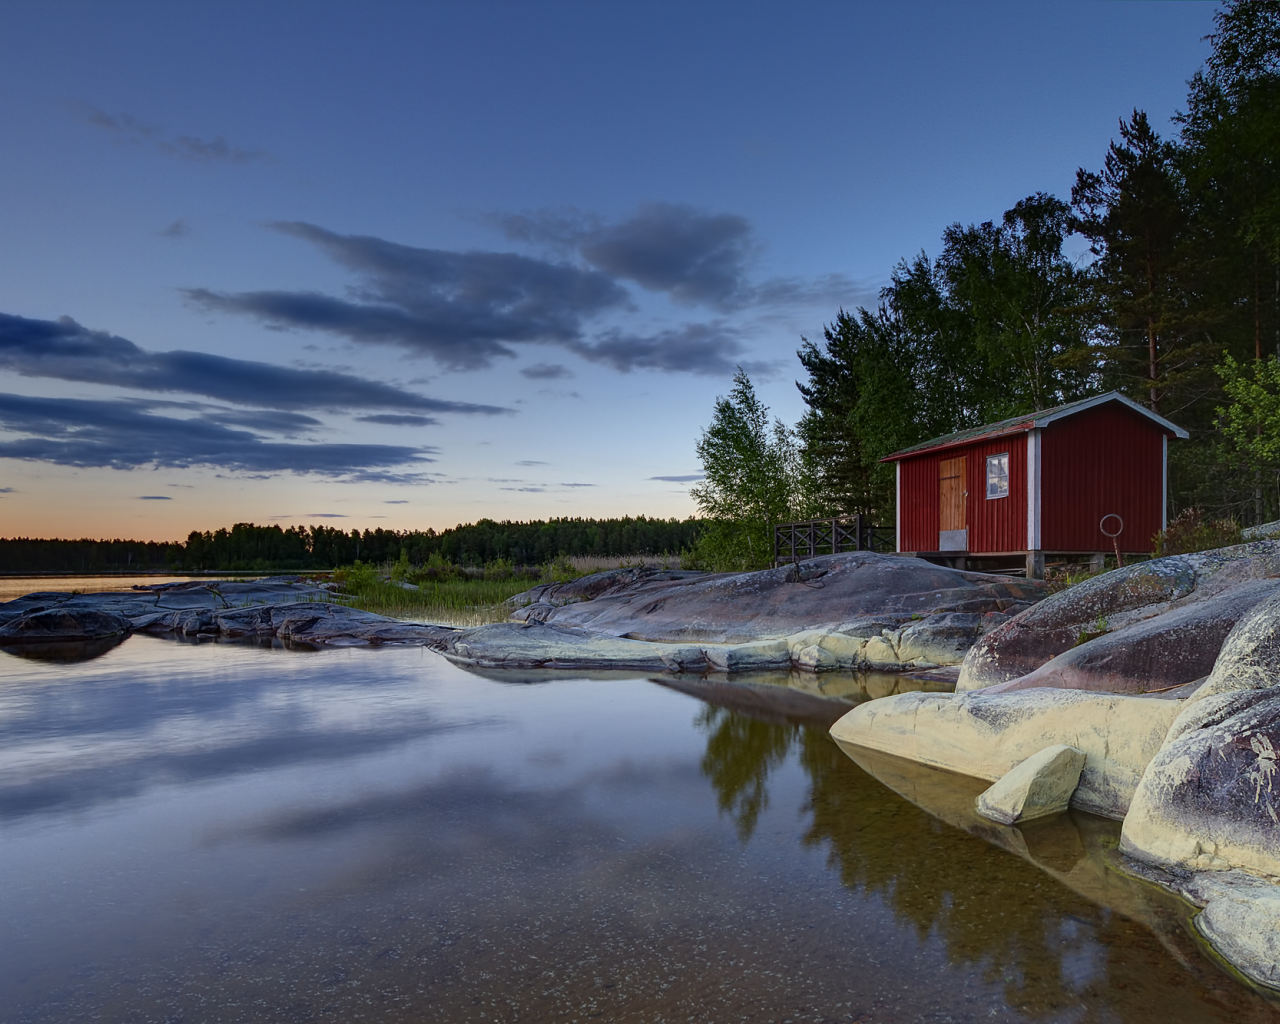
x,y
1104,460
997,524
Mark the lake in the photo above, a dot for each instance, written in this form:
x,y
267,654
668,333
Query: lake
x,y
231,832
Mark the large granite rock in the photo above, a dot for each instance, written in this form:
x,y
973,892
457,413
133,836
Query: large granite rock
x,y
62,625
864,591
280,607
1209,799
1149,626
856,610
986,735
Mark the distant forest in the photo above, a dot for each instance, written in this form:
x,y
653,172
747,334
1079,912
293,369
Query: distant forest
x,y
250,548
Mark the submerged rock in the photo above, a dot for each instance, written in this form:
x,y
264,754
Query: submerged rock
x,y
1039,786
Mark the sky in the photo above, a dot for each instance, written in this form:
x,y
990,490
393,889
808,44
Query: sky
x,y
410,265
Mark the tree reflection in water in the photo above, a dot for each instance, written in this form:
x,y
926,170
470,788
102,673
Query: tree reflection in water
x,y
1123,951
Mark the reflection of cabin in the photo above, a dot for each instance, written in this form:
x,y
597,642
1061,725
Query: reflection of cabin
x,y
1057,482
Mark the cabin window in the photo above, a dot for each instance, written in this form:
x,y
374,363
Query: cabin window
x,y
998,475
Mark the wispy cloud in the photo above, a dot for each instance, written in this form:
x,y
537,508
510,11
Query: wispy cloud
x,y
531,462
708,349
546,371
463,309
129,129
178,229
154,497
399,420
119,435
65,350
577,485
696,257
679,479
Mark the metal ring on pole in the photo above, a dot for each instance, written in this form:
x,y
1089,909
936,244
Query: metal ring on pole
x,y
1105,531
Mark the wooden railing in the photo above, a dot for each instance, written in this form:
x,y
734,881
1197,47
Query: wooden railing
x,y
793,542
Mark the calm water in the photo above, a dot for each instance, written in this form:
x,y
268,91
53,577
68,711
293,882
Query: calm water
x,y
228,833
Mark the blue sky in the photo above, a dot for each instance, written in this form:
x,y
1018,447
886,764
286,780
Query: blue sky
x,y
410,265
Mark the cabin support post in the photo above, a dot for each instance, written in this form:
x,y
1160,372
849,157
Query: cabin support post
x,y
1035,565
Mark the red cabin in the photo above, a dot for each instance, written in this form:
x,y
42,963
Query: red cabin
x,y
1073,482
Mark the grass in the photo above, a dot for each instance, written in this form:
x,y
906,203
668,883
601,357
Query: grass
x,y
449,602
448,595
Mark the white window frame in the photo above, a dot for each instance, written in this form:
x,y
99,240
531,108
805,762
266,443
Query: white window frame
x,y
987,476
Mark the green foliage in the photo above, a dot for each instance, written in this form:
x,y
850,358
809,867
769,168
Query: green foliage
x,y
1194,531
1184,236
988,331
752,479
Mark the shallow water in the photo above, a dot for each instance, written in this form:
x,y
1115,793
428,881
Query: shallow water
x,y
13,587
225,832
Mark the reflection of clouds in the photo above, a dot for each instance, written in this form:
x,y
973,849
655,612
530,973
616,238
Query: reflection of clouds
x,y
74,746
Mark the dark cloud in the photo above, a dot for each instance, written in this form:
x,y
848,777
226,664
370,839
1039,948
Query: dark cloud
x,y
65,350
399,420
526,490
154,497
680,479
532,462
189,147
7,490
546,371
178,229
397,501
119,435
463,309
709,349
697,258
577,485
329,515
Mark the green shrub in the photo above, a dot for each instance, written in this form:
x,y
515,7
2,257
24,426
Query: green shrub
x,y
1191,531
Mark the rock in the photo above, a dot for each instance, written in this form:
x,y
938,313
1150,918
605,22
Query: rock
x,y
1209,799
1263,531
61,625
1118,600
1039,786
1250,656
664,606
1159,653
986,735
1241,920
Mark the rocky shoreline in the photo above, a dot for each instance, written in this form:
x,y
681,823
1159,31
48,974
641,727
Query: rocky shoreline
x,y
1150,695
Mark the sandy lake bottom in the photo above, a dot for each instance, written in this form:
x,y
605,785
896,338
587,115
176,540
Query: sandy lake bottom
x,y
224,832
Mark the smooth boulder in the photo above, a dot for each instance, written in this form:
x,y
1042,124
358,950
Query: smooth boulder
x,y
1037,787
1154,624
63,625
986,735
892,591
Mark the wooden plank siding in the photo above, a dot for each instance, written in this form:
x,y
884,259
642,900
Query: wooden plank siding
x,y
998,524
1106,460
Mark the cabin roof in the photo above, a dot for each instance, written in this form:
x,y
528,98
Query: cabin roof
x,y
1031,421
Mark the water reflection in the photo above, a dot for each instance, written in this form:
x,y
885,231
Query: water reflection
x,y
1044,910
65,652
230,832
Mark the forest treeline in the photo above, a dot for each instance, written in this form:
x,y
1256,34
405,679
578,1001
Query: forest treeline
x,y
1176,304
252,548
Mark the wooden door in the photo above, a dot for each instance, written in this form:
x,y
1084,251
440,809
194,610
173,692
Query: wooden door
x,y
951,495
